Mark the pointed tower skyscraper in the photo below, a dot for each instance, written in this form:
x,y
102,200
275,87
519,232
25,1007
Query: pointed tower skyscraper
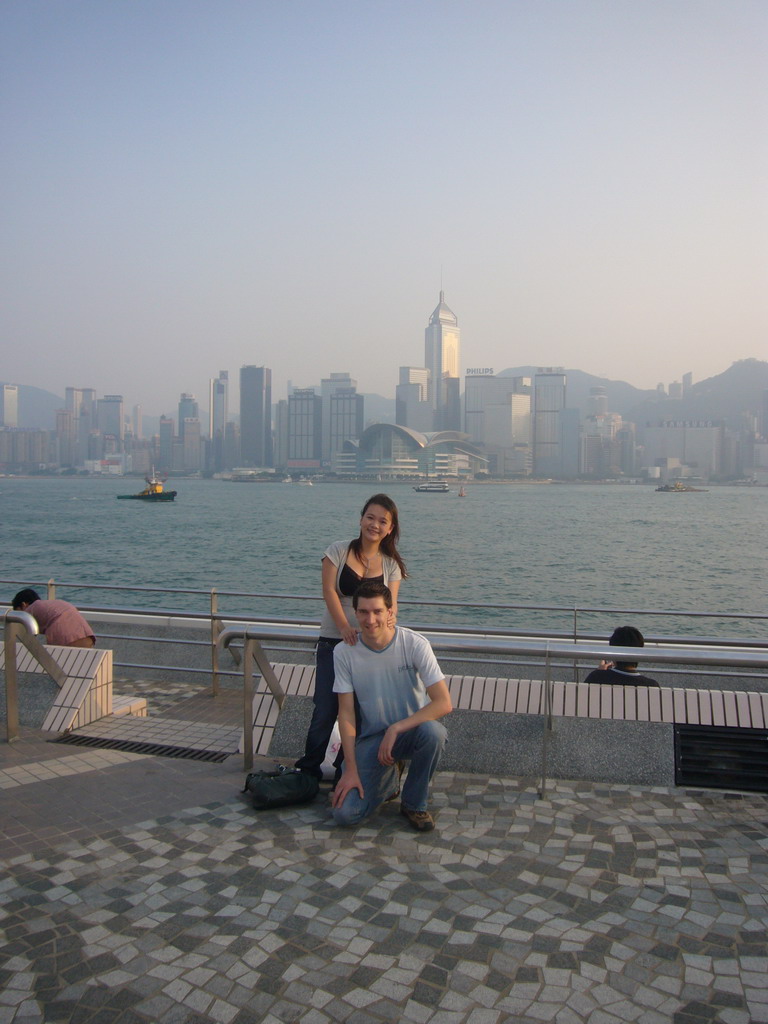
x,y
441,357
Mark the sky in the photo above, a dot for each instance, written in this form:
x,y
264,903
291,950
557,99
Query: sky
x,y
194,186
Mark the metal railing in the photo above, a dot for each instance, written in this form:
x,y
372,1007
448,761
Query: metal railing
x,y
210,618
254,654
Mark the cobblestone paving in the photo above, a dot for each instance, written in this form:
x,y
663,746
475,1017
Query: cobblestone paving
x,y
600,904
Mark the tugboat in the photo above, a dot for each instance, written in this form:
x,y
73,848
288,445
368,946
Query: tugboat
x,y
678,488
152,492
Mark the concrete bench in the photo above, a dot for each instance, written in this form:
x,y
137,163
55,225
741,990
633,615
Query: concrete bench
x,y
85,688
601,733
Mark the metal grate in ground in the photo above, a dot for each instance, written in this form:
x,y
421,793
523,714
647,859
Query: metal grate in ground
x,y
143,747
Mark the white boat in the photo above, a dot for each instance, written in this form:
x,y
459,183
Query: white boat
x,y
432,487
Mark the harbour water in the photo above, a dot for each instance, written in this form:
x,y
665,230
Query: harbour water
x,y
622,546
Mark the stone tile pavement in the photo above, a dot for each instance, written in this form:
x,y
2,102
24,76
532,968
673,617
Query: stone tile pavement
x,y
140,889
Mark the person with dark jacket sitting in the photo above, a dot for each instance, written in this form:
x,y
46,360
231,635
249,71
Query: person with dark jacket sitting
x,y
622,672
61,622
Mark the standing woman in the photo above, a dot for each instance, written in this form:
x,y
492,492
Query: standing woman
x,y
371,556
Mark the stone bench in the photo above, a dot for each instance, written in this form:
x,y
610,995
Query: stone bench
x,y
600,732
85,687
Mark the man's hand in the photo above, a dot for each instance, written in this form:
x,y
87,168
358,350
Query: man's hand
x,y
385,747
349,780
607,664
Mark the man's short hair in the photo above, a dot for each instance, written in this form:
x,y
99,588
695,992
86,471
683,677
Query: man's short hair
x,y
27,596
368,588
626,636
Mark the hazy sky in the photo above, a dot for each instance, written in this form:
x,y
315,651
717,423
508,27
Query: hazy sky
x,y
191,186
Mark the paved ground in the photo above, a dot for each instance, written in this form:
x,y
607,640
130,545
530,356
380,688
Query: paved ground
x,y
140,889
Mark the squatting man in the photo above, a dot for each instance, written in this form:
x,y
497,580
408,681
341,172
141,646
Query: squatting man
x,y
392,676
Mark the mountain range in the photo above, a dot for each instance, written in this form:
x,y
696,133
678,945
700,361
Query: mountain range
x,y
739,389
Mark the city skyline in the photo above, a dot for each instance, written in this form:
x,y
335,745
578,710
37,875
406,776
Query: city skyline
x,y
291,185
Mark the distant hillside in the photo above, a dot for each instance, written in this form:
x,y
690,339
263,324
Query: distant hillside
x,y
621,396
37,408
379,409
729,395
726,397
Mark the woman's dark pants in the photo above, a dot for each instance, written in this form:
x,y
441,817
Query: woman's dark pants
x,y
326,709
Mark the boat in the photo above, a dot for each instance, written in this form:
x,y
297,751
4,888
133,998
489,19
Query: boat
x,y
462,493
304,482
432,487
152,492
678,488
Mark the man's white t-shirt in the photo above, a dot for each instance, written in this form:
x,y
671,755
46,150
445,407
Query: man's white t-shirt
x,y
390,684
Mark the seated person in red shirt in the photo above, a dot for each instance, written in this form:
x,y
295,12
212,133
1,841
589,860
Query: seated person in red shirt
x,y
61,622
622,672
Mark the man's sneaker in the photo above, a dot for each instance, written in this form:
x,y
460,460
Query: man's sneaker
x,y
422,821
399,767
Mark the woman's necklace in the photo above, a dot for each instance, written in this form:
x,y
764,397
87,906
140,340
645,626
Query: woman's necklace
x,y
365,564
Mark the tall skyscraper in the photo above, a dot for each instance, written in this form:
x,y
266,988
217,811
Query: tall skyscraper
x,y
548,405
218,405
256,416
441,357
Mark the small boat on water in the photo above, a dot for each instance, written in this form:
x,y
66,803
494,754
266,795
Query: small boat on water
x,y
678,488
462,493
152,492
432,487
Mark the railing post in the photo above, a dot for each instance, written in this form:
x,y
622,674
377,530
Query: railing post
x,y
11,683
215,630
547,721
248,703
575,640
51,590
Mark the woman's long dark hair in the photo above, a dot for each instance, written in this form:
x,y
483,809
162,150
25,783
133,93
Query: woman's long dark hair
x,y
389,544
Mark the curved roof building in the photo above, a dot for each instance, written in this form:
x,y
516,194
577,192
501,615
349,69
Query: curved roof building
x,y
386,449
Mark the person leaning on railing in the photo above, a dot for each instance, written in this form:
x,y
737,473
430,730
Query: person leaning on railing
x,y
623,673
61,622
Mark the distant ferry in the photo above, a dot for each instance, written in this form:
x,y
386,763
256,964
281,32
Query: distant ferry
x,y
432,487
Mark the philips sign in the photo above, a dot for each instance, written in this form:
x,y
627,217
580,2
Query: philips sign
x,y
481,371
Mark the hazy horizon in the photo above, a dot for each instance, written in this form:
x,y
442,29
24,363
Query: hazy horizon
x,y
192,187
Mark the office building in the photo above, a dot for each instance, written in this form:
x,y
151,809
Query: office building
x,y
497,416
256,416
342,415
188,410
412,406
9,405
304,429
441,357
190,440
165,445
346,420
684,448
111,423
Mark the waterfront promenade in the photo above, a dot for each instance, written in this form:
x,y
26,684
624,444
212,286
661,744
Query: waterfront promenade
x,y
140,889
